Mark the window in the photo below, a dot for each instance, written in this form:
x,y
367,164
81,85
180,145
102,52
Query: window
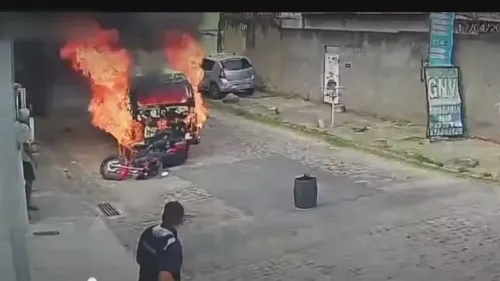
x,y
156,90
236,64
207,65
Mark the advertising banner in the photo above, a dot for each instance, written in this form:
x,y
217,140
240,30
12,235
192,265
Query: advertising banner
x,y
444,100
442,28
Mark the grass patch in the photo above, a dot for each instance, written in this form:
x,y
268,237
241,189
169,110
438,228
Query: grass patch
x,y
424,159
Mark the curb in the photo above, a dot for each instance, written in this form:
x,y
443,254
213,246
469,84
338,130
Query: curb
x,y
338,141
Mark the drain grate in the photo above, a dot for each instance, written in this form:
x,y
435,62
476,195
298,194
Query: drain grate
x,y
108,210
46,233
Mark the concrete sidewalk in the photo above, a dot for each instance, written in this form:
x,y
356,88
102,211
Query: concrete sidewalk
x,y
84,248
67,239
401,140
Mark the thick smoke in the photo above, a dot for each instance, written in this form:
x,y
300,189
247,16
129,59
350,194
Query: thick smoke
x,y
137,30
147,30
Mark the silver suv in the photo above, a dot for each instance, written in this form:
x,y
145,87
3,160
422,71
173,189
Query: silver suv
x,y
227,73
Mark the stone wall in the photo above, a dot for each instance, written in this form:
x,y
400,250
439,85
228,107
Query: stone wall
x,y
383,77
264,48
479,61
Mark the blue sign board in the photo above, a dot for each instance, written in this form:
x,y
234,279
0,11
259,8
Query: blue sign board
x,y
444,99
442,28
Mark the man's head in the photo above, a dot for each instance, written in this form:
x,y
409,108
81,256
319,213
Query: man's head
x,y
173,214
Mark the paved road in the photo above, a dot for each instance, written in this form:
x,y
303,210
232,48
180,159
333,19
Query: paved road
x,y
377,220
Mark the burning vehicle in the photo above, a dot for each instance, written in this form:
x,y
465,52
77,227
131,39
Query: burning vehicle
x,y
164,100
154,116
163,104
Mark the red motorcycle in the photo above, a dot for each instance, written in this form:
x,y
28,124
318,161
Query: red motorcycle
x,y
147,160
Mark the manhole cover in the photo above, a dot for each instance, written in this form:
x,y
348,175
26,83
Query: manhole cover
x,y
108,210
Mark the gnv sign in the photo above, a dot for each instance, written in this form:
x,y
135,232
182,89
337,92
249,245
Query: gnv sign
x,y
444,102
442,87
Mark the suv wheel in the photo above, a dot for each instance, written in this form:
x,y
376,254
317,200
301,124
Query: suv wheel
x,y
250,91
214,92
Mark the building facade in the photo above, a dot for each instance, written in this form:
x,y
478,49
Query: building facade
x,y
13,220
209,30
377,57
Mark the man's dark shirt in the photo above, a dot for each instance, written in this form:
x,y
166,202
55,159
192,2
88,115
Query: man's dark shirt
x,y
159,250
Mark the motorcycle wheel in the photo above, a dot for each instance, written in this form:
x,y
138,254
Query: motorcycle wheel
x,y
108,172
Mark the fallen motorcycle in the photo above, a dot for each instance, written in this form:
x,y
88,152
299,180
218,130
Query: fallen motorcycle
x,y
148,160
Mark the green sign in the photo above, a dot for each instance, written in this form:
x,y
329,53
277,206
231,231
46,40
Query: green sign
x,y
445,118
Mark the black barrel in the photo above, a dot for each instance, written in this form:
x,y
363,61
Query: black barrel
x,y
305,192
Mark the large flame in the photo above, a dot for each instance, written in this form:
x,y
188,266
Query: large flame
x,y
98,57
185,54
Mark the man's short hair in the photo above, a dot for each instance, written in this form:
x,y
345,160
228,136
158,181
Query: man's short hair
x,y
173,213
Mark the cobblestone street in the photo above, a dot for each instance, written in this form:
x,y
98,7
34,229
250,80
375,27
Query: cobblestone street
x,y
376,219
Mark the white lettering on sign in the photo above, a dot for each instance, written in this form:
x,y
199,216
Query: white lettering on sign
x,y
447,123
444,118
442,87
446,132
445,109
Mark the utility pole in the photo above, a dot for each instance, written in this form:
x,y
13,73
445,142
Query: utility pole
x,y
14,220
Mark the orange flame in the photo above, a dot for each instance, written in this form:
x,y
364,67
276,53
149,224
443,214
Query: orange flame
x,y
185,54
97,55
99,58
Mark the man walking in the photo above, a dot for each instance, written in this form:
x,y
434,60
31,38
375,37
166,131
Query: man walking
x,y
159,252
24,139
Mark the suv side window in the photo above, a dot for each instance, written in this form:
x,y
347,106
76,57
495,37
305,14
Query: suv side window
x,y
207,65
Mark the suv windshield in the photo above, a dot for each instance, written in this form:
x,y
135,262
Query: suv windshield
x,y
156,90
236,64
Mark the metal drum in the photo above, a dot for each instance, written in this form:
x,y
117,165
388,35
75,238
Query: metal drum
x,y
305,192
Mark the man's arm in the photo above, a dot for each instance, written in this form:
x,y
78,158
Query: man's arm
x,y
29,153
170,260
140,249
